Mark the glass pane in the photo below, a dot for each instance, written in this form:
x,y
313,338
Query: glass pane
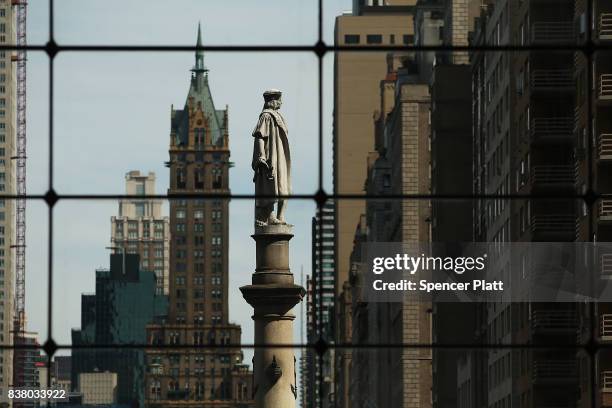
x,y
128,114
179,266
146,22
472,129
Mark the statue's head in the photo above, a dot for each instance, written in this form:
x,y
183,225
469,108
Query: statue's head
x,y
272,98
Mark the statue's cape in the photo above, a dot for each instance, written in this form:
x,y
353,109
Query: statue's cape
x,y
278,118
280,171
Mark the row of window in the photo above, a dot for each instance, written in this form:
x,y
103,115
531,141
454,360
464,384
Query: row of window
x,y
199,320
199,227
377,39
199,267
198,239
197,293
196,203
198,180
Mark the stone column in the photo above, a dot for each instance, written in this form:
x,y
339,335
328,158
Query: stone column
x,y
273,295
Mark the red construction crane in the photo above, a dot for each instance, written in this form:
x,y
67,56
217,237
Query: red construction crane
x,y
19,58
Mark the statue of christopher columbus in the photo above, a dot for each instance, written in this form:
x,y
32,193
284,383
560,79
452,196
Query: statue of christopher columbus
x,y
271,162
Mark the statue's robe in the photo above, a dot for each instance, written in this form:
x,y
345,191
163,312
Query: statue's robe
x,y
271,128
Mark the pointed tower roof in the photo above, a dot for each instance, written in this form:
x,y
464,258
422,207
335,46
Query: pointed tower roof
x,y
199,54
200,92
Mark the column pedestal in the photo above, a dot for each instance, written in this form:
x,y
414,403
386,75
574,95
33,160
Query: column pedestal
x,y
273,294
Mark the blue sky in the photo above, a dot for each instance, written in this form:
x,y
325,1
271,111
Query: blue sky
x,y
112,113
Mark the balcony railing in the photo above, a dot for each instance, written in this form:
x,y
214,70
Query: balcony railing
x,y
552,128
605,26
552,80
605,86
553,320
605,265
552,32
605,210
606,326
605,146
553,176
556,225
556,371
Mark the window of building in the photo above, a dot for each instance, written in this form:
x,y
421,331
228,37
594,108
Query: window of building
x,y
181,180
217,181
140,209
408,39
199,178
199,135
351,39
374,39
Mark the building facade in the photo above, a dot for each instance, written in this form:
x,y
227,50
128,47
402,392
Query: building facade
x,y
524,144
61,373
198,286
356,92
595,129
8,130
26,361
141,228
356,82
124,303
323,305
400,166
98,388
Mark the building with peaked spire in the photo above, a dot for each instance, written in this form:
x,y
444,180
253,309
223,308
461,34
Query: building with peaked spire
x,y
206,375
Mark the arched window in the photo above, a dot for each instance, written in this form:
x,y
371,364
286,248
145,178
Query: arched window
x,y
199,136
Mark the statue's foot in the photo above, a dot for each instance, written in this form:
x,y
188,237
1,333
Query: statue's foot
x,y
259,223
274,221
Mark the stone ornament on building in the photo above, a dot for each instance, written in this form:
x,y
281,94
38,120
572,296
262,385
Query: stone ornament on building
x,y
274,371
271,162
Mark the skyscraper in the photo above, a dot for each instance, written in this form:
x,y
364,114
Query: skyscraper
x,y
356,90
524,139
118,313
601,135
198,286
323,261
140,228
7,186
356,85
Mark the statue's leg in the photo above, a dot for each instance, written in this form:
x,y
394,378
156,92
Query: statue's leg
x,y
263,213
280,214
